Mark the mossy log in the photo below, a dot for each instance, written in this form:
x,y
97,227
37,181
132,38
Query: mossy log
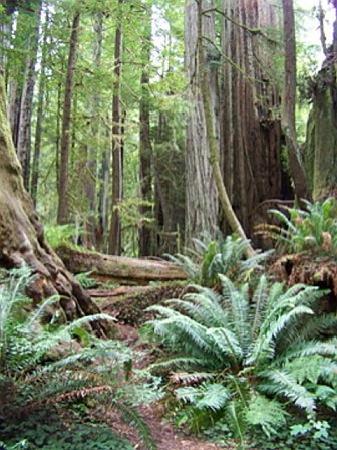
x,y
120,268
21,234
129,307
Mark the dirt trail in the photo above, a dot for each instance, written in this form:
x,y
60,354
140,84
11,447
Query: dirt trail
x,y
164,434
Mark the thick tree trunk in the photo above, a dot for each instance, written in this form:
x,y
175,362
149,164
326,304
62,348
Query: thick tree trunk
x,y
250,138
115,235
321,141
21,235
90,179
145,147
213,142
121,268
63,203
169,173
39,115
289,102
24,134
201,195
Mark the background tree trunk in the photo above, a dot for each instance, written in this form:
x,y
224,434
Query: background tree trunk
x,y
289,102
39,114
145,147
321,140
115,236
63,204
24,133
90,179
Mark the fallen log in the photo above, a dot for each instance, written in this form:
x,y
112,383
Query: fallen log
x,y
129,306
120,268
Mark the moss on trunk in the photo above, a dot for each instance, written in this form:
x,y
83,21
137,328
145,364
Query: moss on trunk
x,y
21,234
321,141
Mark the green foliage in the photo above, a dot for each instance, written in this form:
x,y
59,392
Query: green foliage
x,y
48,432
61,234
223,256
85,280
313,229
247,361
42,366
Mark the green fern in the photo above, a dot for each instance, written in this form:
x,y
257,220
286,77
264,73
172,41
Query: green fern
x,y
31,378
313,229
265,352
222,256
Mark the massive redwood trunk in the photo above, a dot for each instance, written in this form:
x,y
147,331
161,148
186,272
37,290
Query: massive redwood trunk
x,y
201,195
250,100
21,235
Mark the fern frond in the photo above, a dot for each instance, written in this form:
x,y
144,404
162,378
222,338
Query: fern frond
x,y
206,396
282,384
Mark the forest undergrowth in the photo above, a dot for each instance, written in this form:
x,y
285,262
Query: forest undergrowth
x,y
239,358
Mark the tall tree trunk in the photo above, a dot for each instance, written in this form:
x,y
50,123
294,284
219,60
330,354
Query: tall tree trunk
x,y
103,199
39,114
115,235
250,129
21,235
213,142
91,156
289,102
24,134
63,203
201,195
321,140
145,147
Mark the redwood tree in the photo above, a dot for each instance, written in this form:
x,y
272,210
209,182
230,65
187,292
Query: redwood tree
x,y
63,204
21,234
115,234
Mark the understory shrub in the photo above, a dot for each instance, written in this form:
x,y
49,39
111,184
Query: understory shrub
x,y
251,358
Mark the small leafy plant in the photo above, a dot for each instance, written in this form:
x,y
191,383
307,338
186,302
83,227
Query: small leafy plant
x,y
244,361
313,229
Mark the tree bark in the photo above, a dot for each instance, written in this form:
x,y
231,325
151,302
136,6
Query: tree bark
x,y
22,238
289,102
106,267
250,127
63,203
201,195
90,179
39,114
115,235
145,147
24,133
321,140
213,143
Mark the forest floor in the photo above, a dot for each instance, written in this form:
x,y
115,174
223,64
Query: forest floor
x,y
163,432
